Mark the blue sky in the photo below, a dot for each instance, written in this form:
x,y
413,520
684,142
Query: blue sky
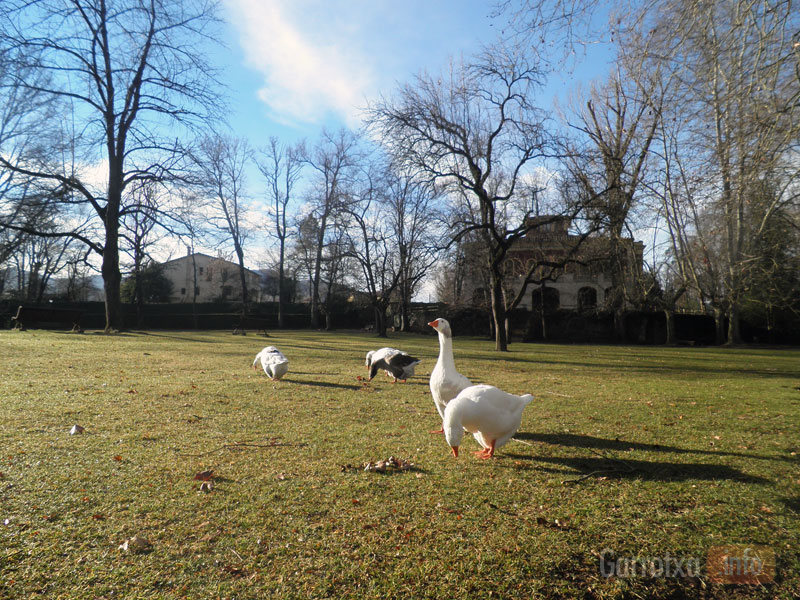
x,y
296,65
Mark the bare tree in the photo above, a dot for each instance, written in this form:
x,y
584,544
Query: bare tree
x,y
335,267
474,130
37,260
303,253
734,68
618,125
564,28
222,163
281,167
333,158
373,243
138,230
134,76
26,116
410,209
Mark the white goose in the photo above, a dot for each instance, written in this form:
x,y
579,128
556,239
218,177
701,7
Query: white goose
x,y
445,382
491,415
396,363
274,363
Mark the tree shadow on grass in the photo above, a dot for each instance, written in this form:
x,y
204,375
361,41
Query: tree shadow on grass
x,y
706,366
324,384
588,441
611,468
171,337
792,504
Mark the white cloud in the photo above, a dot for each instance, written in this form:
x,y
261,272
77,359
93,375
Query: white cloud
x,y
311,68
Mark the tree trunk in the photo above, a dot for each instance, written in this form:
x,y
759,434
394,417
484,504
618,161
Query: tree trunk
x,y
315,301
719,327
139,300
405,310
669,315
242,278
542,314
112,278
499,314
137,287
282,286
111,286
734,330
380,322
619,325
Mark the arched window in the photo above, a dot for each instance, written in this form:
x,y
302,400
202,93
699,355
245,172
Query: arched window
x,y
587,298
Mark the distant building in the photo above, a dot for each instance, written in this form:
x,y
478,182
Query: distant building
x,y
216,279
585,282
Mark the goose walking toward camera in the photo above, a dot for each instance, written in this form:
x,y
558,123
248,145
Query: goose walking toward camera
x,y
396,363
446,382
491,415
274,363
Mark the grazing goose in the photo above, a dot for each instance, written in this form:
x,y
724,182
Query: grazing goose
x,y
273,361
396,363
446,382
491,415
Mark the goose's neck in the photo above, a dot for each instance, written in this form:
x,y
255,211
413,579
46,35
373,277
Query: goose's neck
x,y
446,352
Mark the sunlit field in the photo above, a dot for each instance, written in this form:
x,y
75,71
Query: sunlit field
x,y
629,459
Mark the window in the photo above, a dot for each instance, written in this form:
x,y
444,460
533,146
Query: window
x,y
200,270
183,291
587,298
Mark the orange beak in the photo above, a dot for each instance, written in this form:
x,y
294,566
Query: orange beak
x,y
455,450
434,323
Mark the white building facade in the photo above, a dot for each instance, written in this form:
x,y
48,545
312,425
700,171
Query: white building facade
x,y
202,278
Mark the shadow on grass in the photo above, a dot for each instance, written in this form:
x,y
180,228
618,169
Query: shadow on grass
x,y
792,504
642,469
324,384
588,441
173,337
628,365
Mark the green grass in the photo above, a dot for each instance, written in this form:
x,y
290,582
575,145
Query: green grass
x,y
640,450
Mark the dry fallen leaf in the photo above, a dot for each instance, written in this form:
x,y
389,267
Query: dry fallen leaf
x,y
76,429
390,464
136,544
205,475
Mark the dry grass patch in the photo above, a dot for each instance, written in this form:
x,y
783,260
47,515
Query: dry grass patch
x,y
643,451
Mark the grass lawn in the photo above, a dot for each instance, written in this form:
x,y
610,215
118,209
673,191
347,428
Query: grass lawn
x,y
644,457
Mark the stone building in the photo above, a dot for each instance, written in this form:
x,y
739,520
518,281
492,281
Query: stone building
x,y
216,279
586,281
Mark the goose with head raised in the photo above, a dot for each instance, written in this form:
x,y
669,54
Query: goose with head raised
x,y
446,382
274,363
397,364
491,415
